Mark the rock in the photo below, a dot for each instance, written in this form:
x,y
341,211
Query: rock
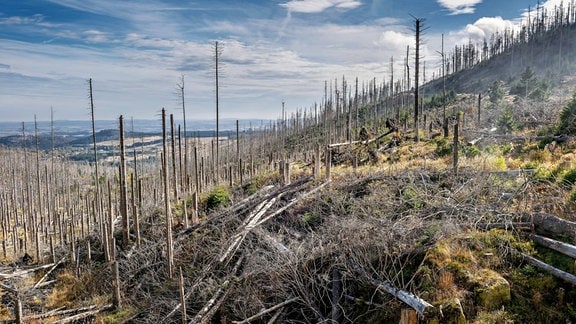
x,y
491,289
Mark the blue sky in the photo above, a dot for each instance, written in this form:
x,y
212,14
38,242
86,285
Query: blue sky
x,y
272,51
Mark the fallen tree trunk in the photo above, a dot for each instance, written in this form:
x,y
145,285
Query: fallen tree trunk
x,y
550,225
24,272
80,316
211,307
366,142
568,277
417,303
564,248
48,273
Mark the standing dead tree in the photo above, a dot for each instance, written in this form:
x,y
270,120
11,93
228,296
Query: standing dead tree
x,y
167,210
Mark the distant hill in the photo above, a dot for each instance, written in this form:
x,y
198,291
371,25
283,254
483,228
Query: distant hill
x,y
550,53
79,133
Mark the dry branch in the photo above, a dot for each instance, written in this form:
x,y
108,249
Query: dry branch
x,y
366,142
24,272
417,303
505,226
59,311
266,311
210,308
247,203
80,316
248,225
37,284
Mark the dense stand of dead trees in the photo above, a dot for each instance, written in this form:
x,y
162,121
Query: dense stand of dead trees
x,y
68,203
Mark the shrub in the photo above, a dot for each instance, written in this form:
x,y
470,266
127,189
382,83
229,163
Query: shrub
x,y
311,218
443,147
530,165
543,174
500,163
572,196
568,117
471,151
217,198
569,177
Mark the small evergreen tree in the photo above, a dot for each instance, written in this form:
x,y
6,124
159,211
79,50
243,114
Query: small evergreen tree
x,y
506,122
568,117
496,92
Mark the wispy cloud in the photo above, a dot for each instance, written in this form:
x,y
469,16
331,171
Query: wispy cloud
x,y
317,6
459,7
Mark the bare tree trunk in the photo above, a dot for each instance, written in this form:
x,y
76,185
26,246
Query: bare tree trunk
x,y
173,151
123,189
416,78
167,211
217,52
182,298
455,146
95,151
116,298
479,107
336,295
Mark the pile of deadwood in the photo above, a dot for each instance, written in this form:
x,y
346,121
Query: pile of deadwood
x,y
303,252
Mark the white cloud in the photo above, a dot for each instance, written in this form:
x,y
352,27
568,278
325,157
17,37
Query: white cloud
x,y
37,20
96,36
458,7
317,6
484,28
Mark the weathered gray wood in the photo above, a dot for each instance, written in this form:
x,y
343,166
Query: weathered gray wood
x,y
167,209
550,225
48,273
266,311
123,188
19,314
24,272
366,142
568,277
417,303
182,297
77,317
60,311
564,248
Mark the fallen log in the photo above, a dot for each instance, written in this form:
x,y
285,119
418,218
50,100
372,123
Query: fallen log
x,y
564,248
475,141
550,225
276,316
266,311
59,312
291,203
418,304
249,223
211,307
568,277
366,142
83,315
24,272
48,273
262,195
